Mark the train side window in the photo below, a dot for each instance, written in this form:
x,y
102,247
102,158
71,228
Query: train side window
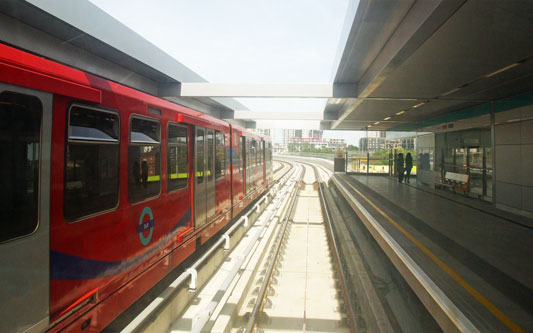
x,y
210,151
260,155
241,154
177,158
20,143
220,156
91,162
144,159
254,152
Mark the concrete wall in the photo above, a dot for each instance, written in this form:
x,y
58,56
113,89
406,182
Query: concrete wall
x,y
514,160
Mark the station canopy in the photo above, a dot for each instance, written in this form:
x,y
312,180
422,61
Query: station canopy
x,y
401,65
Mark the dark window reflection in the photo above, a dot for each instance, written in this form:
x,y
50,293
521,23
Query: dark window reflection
x,y
199,156
91,162
20,131
220,157
144,160
177,158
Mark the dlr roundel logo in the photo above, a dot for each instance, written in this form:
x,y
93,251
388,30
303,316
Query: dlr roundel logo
x,y
146,223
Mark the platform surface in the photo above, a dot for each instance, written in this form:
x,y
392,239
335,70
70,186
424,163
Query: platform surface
x,y
488,253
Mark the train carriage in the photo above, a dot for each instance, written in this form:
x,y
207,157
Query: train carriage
x,y
105,190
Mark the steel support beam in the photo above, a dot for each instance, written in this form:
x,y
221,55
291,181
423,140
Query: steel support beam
x,y
327,90
278,115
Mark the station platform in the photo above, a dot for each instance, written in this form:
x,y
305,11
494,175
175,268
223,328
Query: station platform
x,y
478,258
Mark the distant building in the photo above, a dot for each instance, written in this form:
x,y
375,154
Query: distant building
x,y
372,143
378,143
313,137
262,131
335,143
405,143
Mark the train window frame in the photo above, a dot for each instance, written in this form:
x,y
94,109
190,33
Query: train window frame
x,y
131,143
222,174
87,140
168,145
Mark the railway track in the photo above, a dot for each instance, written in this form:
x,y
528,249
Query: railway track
x,y
163,306
306,264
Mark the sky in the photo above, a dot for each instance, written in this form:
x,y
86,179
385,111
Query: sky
x,y
247,41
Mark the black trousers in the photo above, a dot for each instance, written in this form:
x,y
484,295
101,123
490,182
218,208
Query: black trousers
x,y
400,174
407,174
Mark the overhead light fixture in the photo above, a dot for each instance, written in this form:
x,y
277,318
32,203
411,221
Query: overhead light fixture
x,y
369,126
451,92
387,118
502,69
419,104
400,113
377,122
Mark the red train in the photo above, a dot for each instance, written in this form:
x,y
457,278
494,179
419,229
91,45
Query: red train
x,y
104,190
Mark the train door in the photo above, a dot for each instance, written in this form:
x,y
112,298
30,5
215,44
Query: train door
x,y
204,175
25,144
210,180
200,183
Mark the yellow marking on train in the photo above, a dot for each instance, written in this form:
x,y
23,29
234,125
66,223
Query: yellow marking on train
x,y
477,295
179,175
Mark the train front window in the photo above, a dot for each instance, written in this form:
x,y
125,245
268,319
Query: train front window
x,y
177,158
144,159
91,162
20,135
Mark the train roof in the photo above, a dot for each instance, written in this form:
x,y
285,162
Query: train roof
x,y
22,68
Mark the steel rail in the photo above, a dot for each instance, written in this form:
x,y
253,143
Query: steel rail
x,y
258,306
336,252
202,321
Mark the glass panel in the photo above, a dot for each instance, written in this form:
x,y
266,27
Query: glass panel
x,y
93,125
241,154
144,131
220,158
144,172
254,153
378,161
488,173
177,134
210,152
20,134
144,160
91,179
200,156
460,160
177,159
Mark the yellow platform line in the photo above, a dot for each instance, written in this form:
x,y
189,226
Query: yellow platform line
x,y
477,295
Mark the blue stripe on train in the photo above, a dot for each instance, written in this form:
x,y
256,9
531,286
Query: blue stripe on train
x,y
68,267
